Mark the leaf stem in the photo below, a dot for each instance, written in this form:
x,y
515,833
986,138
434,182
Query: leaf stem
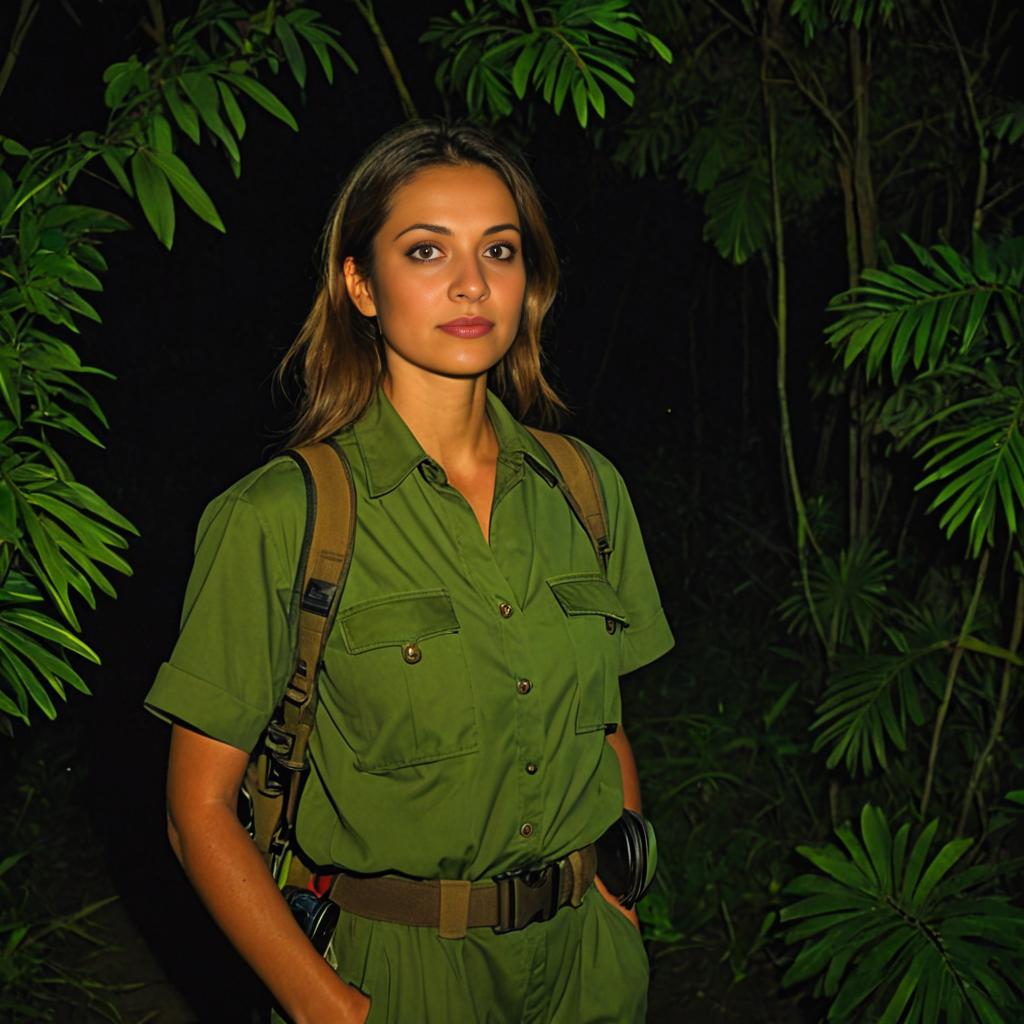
x,y
979,128
981,762
804,531
365,8
26,15
951,674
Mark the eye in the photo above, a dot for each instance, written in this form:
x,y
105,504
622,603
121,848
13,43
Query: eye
x,y
424,252
501,251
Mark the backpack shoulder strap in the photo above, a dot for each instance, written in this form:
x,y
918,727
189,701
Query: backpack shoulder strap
x,y
581,487
327,553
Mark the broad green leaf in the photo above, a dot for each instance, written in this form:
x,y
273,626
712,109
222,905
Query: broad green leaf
x,y
160,138
154,194
182,111
188,188
201,89
523,66
916,861
234,112
264,97
878,841
17,669
44,626
944,860
292,51
114,159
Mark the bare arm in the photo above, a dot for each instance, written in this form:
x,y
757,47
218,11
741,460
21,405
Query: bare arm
x,y
228,872
619,742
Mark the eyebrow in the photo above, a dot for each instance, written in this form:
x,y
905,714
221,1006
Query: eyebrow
x,y
440,229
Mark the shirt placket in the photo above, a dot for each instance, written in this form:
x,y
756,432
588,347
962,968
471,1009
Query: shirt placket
x,y
520,704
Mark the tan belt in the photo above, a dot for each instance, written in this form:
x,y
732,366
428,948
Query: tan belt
x,y
509,902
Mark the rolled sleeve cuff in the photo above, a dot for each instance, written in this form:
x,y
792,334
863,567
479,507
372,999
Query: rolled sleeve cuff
x,y
643,644
179,696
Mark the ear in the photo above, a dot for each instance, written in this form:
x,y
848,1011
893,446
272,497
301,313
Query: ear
x,y
358,288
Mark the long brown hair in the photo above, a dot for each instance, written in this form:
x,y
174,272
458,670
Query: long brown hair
x,y
338,353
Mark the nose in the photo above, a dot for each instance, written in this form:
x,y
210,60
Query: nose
x,y
469,282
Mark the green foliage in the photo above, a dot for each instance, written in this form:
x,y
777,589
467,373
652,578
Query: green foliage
x,y
816,16
903,936
575,49
958,320
849,593
928,315
59,539
869,700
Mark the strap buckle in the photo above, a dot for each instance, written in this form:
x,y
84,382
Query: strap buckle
x,y
526,895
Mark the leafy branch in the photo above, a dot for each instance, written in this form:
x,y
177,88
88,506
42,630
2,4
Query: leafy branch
x,y
59,540
572,49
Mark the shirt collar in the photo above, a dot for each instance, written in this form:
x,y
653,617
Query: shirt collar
x,y
390,452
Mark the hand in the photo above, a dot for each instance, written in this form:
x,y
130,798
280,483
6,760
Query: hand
x,y
360,1009
344,1004
630,915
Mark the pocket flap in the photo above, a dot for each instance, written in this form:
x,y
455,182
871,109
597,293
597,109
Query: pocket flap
x,y
397,619
588,594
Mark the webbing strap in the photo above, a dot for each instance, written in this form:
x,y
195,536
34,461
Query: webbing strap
x,y
327,562
580,486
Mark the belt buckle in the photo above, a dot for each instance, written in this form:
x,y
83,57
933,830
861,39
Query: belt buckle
x,y
526,895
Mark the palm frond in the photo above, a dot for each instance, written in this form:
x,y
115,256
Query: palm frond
x,y
848,592
897,936
926,315
868,702
979,462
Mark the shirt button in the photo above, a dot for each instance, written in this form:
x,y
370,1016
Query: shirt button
x,y
526,830
610,624
411,653
505,609
531,767
524,686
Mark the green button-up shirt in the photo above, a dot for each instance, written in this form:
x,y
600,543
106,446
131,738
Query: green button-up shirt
x,y
466,685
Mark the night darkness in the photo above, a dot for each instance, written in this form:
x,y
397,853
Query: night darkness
x,y
666,357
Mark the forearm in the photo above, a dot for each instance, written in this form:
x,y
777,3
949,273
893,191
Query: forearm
x,y
619,742
229,874
233,882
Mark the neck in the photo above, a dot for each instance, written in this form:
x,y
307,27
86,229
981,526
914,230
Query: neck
x,y
448,416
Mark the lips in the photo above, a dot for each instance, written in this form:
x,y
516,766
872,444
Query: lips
x,y
468,327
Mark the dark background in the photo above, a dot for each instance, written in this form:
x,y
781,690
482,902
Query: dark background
x,y
643,343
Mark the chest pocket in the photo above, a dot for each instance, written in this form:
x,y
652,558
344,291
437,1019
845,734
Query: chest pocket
x,y
404,692
595,619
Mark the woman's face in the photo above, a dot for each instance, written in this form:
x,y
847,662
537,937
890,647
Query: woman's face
x,y
448,279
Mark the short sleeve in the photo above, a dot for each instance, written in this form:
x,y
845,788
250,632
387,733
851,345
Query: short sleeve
x,y
648,636
234,653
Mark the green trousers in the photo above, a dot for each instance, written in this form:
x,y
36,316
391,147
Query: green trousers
x,y
584,966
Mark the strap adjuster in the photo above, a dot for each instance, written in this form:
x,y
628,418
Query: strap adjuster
x,y
319,596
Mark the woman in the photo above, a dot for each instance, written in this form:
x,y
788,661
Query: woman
x,y
469,717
